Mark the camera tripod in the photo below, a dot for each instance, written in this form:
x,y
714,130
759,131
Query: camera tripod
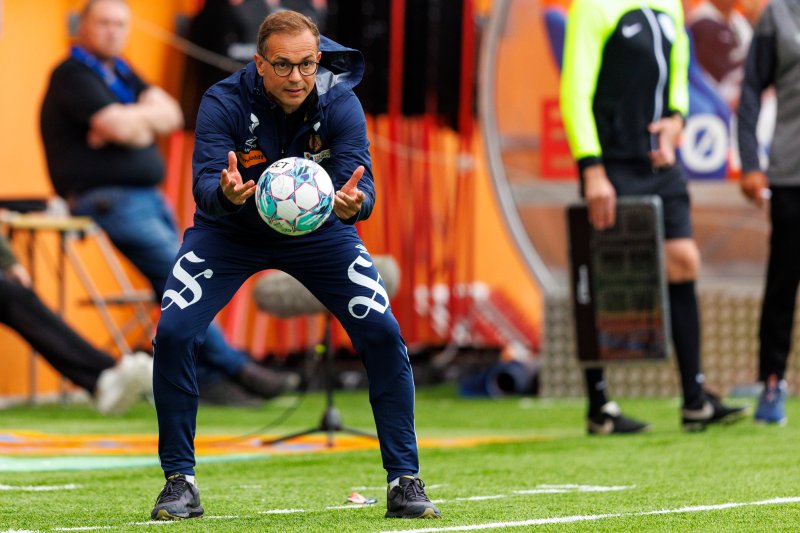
x,y
331,420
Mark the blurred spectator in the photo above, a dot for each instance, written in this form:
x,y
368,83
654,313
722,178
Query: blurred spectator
x,y
774,61
721,36
99,123
115,385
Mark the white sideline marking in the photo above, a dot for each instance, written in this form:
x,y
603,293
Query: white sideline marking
x,y
545,489
364,487
558,489
479,498
38,488
83,528
282,511
348,506
587,518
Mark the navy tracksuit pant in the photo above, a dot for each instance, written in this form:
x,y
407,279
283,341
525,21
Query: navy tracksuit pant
x,y
335,266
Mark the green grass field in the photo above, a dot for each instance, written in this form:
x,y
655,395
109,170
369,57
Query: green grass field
x,y
738,478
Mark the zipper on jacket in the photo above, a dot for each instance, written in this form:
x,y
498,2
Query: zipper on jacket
x,y
658,47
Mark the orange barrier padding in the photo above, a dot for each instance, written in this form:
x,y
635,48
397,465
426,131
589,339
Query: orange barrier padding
x,y
32,443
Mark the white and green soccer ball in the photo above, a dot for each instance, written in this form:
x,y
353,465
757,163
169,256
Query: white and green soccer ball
x,y
294,196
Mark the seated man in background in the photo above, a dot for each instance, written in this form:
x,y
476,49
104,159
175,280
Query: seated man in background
x,y
115,385
99,123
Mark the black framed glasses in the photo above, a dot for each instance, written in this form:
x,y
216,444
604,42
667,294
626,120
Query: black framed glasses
x,y
284,68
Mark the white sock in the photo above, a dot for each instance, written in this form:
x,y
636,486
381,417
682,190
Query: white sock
x,y
396,481
190,479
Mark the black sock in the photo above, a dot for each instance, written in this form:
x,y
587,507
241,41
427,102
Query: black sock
x,y
686,337
596,389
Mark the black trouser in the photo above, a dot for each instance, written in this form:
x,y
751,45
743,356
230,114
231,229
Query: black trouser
x,y
73,357
783,276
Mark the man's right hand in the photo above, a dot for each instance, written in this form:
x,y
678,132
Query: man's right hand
x,y
231,182
601,198
754,186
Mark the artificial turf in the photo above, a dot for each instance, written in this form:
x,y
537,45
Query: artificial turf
x,y
736,478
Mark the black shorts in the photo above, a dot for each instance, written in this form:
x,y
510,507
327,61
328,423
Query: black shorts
x,y
670,184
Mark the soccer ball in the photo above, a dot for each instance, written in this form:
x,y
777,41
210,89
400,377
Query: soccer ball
x,y
294,196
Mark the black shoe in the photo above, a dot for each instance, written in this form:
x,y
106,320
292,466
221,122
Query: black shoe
x,y
610,420
408,500
179,499
226,392
708,409
266,383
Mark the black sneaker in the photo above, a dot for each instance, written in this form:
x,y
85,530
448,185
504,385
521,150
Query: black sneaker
x,y
265,382
708,409
610,420
178,500
408,500
226,392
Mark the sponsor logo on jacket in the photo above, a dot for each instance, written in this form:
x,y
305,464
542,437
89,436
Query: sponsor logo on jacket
x,y
315,144
319,156
248,159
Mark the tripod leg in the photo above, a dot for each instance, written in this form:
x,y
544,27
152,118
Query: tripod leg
x,y
290,436
331,421
358,432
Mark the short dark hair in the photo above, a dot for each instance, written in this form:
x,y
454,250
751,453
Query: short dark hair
x,y
91,3
284,22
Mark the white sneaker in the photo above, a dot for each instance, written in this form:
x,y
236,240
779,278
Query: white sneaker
x,y
122,385
145,362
